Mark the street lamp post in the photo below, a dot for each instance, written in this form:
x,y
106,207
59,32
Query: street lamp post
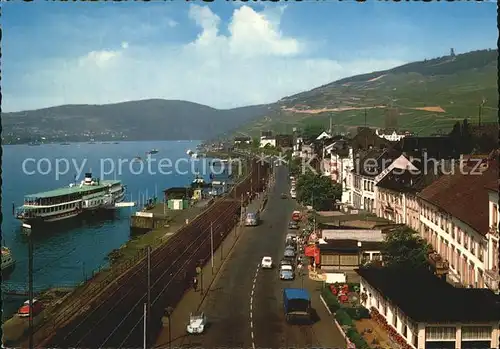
x,y
201,277
30,287
168,313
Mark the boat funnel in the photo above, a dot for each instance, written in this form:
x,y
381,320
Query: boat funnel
x,y
88,178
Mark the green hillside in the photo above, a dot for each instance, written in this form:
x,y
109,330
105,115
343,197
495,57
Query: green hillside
x,y
449,88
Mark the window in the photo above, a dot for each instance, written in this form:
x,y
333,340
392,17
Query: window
x,y
476,332
466,241
405,331
494,215
440,333
480,254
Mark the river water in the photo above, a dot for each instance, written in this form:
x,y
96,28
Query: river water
x,y
63,257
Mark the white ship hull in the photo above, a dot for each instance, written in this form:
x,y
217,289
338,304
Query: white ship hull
x,y
71,202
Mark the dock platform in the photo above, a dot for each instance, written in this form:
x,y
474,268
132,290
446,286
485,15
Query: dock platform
x,y
160,216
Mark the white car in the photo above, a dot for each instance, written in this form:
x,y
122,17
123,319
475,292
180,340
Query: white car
x,y
197,323
293,195
267,263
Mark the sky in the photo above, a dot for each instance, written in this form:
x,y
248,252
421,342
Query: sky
x,y
223,54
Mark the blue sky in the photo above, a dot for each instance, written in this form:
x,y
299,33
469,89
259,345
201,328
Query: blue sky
x,y
221,54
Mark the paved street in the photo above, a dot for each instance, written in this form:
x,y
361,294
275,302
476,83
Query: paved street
x,y
244,307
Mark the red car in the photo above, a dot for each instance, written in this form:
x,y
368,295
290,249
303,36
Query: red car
x,y
296,216
24,311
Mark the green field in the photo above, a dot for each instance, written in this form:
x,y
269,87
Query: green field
x,y
458,85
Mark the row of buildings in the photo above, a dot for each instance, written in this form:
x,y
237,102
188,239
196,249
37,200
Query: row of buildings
x,y
451,199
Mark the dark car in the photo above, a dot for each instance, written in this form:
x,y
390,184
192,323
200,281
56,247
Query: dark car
x,y
293,225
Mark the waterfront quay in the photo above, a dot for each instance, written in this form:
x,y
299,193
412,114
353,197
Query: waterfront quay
x,y
113,305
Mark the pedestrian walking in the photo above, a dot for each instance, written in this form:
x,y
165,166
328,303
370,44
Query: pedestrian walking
x,y
195,284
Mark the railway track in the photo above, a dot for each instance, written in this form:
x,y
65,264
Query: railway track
x,y
115,318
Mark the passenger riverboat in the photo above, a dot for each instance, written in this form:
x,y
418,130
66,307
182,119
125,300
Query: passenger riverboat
x,y
71,201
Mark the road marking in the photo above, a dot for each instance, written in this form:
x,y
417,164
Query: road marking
x,y
251,304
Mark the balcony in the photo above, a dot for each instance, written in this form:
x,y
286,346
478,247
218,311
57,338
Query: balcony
x,y
441,266
492,279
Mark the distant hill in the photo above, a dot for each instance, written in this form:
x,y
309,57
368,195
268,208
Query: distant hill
x,y
425,97
154,119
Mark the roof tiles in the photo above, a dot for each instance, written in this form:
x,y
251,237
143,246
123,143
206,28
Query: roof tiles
x,y
464,196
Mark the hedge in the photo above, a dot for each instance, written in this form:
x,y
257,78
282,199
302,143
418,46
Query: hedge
x,y
357,313
345,316
330,300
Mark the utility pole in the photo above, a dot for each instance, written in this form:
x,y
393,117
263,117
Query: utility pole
x,y
149,288
221,248
365,117
145,312
212,245
30,288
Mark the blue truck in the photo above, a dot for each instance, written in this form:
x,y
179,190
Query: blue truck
x,y
297,305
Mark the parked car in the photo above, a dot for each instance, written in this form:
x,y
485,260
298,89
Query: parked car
x,y
289,253
287,273
267,263
252,219
296,216
286,261
24,310
197,323
293,225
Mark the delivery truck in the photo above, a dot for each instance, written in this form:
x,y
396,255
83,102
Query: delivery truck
x,y
297,305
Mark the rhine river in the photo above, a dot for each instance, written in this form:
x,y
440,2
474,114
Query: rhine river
x,y
64,257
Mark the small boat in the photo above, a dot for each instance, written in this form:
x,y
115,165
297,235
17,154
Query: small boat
x,y
138,158
152,151
24,310
8,262
116,142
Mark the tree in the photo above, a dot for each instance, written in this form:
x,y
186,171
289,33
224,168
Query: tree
x,y
312,131
317,191
403,248
295,167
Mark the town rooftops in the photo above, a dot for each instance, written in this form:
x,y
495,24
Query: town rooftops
x,y
350,246
437,147
464,195
423,297
242,139
406,181
375,161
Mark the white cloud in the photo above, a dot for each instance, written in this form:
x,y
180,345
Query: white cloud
x,y
171,23
254,63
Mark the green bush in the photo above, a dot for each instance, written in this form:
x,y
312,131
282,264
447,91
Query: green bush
x,y
357,313
343,318
357,339
330,300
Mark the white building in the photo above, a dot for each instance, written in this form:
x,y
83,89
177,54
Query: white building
x,y
267,141
297,148
459,217
423,311
492,274
323,135
391,135
370,169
